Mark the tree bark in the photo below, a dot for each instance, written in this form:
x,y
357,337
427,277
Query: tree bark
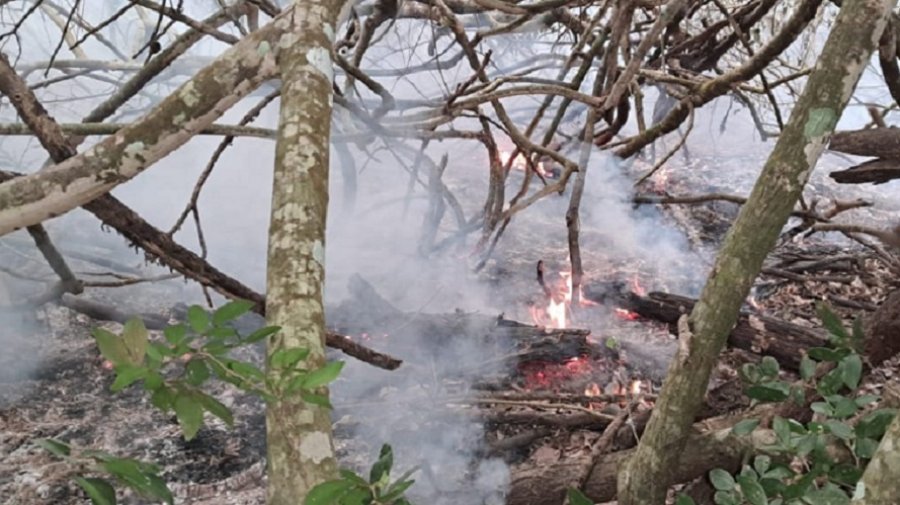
x,y
300,447
645,478
55,190
879,484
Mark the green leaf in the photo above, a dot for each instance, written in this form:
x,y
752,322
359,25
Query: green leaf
x,y
322,376
98,490
157,487
865,447
127,375
196,371
859,335
774,391
315,399
162,398
175,334
831,321
807,368
55,447
745,427
286,359
135,336
826,354
874,424
726,498
782,430
839,429
189,414
828,495
769,367
111,346
396,490
752,491
216,408
354,478
260,334
831,383
862,401
823,408
845,474
750,373
684,499
327,493
852,370
382,468
221,332
844,407
721,480
762,463
153,381
576,497
198,318
231,311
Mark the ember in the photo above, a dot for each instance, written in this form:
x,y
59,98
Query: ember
x,y
558,313
626,314
520,163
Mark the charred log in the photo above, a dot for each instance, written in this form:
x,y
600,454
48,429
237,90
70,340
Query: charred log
x,y
876,142
875,171
763,335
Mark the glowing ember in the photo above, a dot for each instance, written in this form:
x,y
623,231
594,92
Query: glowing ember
x,y
592,390
636,387
636,286
626,314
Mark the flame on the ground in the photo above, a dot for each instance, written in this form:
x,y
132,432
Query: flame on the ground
x,y
636,286
616,388
558,313
626,314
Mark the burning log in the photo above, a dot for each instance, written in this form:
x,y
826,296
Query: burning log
x,y
784,341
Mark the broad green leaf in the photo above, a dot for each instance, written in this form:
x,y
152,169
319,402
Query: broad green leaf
x,y
839,429
828,495
844,407
127,375
327,493
189,414
162,398
198,318
750,373
315,399
111,346
726,498
231,311
823,408
874,424
322,376
286,359
260,334
135,336
851,367
576,497
769,366
357,496
859,335
175,334
684,499
826,354
845,474
770,391
222,333
762,463
721,480
807,368
745,427
153,381
862,401
865,447
98,490
196,371
354,478
216,408
752,491
157,488
831,383
831,321
55,447
782,430
382,468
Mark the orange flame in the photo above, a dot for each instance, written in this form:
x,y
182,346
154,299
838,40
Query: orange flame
x,y
592,389
626,314
520,163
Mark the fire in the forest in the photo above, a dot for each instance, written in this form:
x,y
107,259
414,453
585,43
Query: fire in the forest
x,y
520,163
558,311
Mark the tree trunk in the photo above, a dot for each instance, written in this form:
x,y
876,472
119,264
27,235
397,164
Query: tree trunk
x,y
645,478
300,446
879,484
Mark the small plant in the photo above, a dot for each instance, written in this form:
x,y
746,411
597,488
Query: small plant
x,y
352,489
819,462
142,477
174,371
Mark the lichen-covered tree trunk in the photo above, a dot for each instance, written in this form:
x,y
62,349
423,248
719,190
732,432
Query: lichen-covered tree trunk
x,y
854,36
300,447
880,484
